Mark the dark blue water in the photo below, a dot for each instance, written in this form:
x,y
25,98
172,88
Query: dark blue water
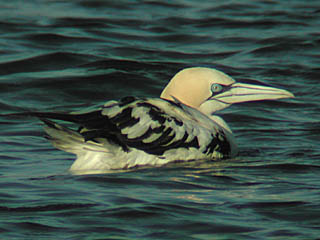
x,y
70,55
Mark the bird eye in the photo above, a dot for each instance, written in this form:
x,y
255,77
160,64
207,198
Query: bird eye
x,y
215,88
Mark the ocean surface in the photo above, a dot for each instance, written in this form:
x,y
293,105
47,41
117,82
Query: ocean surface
x,y
72,55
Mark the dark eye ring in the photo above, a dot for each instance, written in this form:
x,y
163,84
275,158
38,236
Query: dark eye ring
x,y
215,88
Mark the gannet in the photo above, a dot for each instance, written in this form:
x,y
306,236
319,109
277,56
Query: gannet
x,y
181,125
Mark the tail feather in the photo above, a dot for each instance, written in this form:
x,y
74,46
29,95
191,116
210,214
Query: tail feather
x,y
93,151
90,155
69,140
62,137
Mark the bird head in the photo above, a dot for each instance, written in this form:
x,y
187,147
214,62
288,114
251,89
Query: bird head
x,y
210,90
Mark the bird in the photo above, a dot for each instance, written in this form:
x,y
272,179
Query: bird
x,y
180,125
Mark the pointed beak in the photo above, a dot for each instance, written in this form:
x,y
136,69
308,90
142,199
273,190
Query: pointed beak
x,y
242,92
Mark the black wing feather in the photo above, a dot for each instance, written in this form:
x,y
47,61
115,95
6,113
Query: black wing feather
x,y
99,124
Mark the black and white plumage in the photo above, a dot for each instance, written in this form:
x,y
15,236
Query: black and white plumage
x,y
155,131
136,131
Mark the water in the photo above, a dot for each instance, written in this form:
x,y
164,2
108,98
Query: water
x,y
70,55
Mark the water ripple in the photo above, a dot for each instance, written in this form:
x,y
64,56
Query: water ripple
x,y
65,56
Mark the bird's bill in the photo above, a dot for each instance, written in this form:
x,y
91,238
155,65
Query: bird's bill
x,y
243,92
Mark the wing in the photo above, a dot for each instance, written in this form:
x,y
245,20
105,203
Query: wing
x,y
156,125
153,125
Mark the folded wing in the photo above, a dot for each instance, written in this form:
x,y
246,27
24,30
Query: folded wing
x,y
155,126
